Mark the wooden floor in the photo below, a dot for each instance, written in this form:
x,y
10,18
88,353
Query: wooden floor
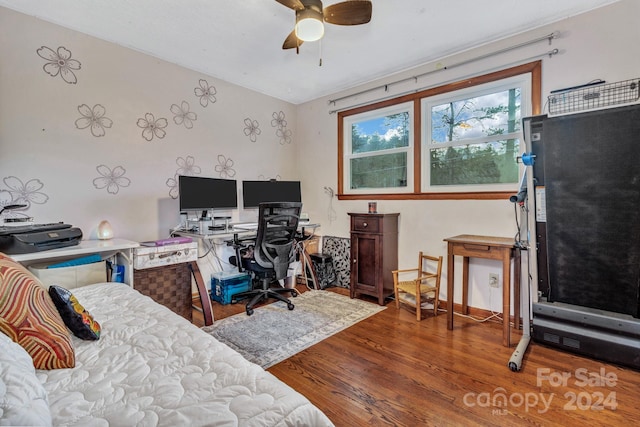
x,y
391,370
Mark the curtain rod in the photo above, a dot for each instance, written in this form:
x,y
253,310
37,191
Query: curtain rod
x,y
397,95
386,86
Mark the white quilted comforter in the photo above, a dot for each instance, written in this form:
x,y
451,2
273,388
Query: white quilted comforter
x,y
151,367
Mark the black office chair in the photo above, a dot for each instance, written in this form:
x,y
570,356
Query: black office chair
x,y
274,250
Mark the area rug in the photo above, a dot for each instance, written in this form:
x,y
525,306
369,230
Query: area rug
x,y
273,333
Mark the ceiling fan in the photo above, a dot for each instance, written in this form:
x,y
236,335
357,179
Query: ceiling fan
x,y
310,18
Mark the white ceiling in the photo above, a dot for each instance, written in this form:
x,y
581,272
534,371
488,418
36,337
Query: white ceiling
x,y
240,41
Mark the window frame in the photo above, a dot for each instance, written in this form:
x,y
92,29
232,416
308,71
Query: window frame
x,y
522,81
407,107
532,68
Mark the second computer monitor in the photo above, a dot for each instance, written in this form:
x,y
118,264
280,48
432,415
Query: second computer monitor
x,y
256,192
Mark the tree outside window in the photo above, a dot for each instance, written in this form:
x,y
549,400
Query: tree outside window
x,y
475,140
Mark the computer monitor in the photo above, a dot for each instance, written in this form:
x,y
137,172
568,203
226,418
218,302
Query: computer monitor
x,y
256,192
202,193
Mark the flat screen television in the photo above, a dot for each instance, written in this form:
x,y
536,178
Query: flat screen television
x,y
202,193
256,192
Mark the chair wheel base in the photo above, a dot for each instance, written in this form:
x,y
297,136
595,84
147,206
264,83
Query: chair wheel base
x,y
290,306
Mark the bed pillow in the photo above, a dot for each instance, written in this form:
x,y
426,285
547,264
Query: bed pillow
x,y
23,399
29,317
74,314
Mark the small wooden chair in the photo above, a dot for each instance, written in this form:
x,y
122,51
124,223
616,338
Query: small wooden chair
x,y
423,288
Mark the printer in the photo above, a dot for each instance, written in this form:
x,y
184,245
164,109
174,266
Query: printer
x,y
38,237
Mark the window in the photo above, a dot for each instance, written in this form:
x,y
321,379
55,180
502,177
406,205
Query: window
x,y
471,137
462,143
379,149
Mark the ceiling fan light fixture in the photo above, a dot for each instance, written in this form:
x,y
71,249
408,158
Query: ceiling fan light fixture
x,y
309,25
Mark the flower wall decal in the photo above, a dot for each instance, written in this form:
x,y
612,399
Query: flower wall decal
x,y
280,123
266,178
59,62
112,180
278,120
225,167
25,193
205,92
251,129
94,118
182,115
284,135
185,167
172,183
152,127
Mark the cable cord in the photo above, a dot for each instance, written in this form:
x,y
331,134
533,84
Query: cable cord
x,y
515,214
331,213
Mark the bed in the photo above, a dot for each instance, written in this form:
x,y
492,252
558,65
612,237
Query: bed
x,y
149,367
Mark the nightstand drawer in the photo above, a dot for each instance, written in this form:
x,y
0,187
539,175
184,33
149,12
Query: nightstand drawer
x,y
366,223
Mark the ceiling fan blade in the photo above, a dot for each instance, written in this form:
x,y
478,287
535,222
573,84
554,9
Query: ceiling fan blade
x,y
291,41
352,12
292,4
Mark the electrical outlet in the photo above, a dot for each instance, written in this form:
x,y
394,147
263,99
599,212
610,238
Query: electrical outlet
x,y
494,280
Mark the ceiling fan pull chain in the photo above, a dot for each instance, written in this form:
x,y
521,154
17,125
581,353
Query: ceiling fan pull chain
x,y
320,53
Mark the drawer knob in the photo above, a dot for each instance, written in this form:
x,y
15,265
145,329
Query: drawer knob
x,y
355,260
364,224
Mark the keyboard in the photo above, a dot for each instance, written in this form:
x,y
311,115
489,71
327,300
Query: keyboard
x,y
33,228
246,226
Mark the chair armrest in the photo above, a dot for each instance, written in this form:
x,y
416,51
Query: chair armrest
x,y
241,242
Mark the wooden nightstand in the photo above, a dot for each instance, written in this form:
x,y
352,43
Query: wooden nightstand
x,y
374,254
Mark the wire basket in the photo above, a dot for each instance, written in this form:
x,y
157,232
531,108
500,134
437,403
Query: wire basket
x,y
594,96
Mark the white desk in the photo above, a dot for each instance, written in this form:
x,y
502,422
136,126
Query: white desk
x,y
228,234
217,235
121,249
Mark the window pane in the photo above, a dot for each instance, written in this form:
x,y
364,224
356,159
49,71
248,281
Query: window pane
x,y
489,163
477,117
383,171
380,133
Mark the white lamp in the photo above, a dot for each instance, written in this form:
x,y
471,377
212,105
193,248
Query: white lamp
x,y
105,231
309,26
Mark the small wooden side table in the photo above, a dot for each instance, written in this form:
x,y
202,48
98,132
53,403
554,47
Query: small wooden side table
x,y
489,247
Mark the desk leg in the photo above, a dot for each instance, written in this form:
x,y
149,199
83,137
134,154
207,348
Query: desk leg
x,y
465,285
449,286
207,310
506,297
516,288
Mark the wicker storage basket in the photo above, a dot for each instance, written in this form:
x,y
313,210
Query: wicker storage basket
x,y
169,285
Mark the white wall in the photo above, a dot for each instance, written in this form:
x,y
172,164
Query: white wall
x,y
41,147
599,44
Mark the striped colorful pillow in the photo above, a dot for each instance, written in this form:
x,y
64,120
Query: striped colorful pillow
x,y
29,317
